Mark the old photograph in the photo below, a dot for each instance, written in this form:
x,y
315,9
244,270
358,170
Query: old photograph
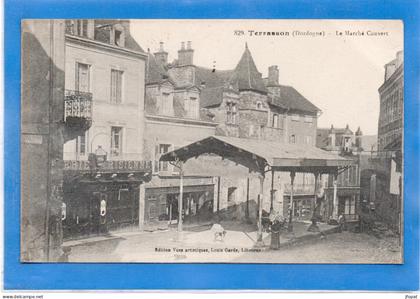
x,y
212,141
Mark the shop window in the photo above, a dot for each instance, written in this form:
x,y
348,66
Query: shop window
x,y
123,194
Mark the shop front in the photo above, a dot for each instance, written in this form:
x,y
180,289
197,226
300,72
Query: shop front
x,y
162,204
98,202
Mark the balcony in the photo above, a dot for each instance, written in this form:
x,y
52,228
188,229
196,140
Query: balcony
x,y
78,110
108,171
109,166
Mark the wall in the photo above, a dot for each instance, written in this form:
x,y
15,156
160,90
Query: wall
x,y
129,114
300,129
391,109
42,130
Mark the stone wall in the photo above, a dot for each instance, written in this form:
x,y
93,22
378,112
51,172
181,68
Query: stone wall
x,y
42,139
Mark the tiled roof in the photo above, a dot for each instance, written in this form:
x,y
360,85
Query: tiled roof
x,y
246,75
290,98
212,78
211,96
102,33
322,135
155,72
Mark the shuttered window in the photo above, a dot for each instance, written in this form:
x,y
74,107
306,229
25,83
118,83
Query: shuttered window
x,y
116,86
82,77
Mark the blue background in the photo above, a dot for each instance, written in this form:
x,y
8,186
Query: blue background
x,y
211,276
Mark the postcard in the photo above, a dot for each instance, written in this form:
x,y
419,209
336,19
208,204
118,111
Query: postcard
x,y
212,141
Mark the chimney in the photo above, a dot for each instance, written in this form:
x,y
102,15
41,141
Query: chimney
x,y
332,138
161,56
359,138
185,56
273,75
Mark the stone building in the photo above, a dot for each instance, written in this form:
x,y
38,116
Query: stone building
x,y
384,170
104,166
236,103
342,190
174,119
43,132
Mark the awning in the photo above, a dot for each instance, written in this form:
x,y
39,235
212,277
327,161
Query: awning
x,y
257,155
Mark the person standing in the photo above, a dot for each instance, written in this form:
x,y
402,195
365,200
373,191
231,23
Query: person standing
x,y
275,235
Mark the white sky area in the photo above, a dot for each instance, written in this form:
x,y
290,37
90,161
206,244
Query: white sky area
x,y
339,74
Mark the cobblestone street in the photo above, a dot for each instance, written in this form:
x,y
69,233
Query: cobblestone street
x,y
199,247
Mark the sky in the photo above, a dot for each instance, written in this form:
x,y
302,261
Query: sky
x,y
340,74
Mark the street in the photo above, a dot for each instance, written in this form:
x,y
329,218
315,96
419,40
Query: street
x,y
238,247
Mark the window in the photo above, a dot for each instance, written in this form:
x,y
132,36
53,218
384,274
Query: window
x,y
259,105
82,77
350,206
162,149
117,37
116,86
295,117
81,28
191,107
308,139
81,144
231,113
308,119
116,141
165,104
275,121
292,139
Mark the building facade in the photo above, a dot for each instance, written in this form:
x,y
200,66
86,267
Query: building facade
x,y
189,102
43,132
174,119
342,191
384,171
104,166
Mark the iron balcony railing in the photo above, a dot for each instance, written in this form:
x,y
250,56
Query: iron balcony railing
x,y
109,166
77,104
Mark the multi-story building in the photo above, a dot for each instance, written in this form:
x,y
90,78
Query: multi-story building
x,y
104,166
391,94
174,119
342,190
384,171
190,102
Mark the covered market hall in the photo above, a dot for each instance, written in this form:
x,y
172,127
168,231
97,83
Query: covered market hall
x,y
261,157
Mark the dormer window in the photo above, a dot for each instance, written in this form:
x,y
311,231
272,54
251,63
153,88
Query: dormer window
x,y
118,36
191,107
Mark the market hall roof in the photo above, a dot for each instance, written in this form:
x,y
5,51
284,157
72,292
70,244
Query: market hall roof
x,y
257,154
